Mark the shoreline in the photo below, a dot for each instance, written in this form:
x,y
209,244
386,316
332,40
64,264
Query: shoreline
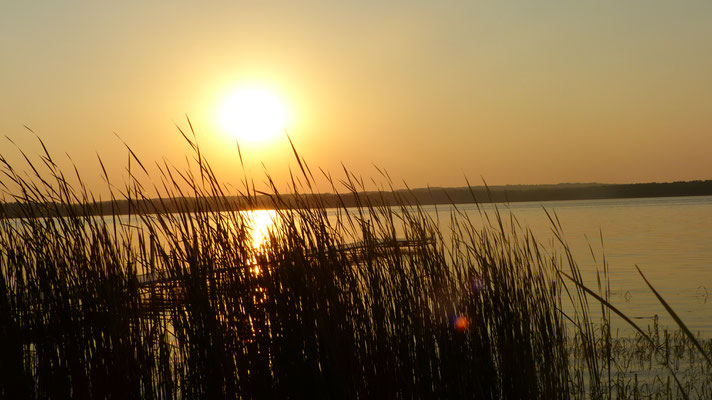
x,y
420,196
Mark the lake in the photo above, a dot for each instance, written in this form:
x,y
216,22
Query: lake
x,y
272,320
669,238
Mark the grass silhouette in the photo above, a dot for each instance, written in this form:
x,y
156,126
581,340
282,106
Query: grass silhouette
x,y
183,305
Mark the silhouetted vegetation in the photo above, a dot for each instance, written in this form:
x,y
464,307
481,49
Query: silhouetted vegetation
x,y
184,305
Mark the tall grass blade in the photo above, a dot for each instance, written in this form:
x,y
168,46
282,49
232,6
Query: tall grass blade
x,y
677,319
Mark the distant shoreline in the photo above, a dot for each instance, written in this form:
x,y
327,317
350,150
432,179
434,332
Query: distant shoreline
x,y
421,196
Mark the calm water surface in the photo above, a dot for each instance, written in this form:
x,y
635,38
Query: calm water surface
x,y
670,239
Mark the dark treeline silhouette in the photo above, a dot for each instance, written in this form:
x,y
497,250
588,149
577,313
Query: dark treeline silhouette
x,y
422,196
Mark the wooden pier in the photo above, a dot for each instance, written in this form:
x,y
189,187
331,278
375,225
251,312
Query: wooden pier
x,y
162,291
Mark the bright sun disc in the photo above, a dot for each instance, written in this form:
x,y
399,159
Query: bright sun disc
x,y
253,115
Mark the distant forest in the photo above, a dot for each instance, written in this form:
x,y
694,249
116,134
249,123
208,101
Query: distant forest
x,y
422,196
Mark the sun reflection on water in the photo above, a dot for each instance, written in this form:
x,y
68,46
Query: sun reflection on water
x,y
260,222
259,225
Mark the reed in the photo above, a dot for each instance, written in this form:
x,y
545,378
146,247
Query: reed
x,y
183,304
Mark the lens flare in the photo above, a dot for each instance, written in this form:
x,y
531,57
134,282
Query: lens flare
x,y
461,323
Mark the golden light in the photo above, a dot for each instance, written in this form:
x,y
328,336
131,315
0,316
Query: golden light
x,y
260,224
253,115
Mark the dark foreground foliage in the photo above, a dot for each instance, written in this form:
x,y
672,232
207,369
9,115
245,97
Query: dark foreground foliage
x,y
185,305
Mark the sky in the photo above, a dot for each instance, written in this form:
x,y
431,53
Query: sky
x,y
433,92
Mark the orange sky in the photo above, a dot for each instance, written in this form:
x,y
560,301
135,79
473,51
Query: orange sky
x,y
518,93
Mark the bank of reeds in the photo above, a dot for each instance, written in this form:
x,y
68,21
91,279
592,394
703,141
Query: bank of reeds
x,y
184,305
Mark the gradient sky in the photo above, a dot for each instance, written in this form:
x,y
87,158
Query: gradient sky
x,y
515,92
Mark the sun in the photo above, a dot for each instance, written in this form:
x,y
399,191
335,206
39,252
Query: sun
x,y
253,115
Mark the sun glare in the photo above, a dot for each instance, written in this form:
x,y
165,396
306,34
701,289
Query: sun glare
x,y
253,115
